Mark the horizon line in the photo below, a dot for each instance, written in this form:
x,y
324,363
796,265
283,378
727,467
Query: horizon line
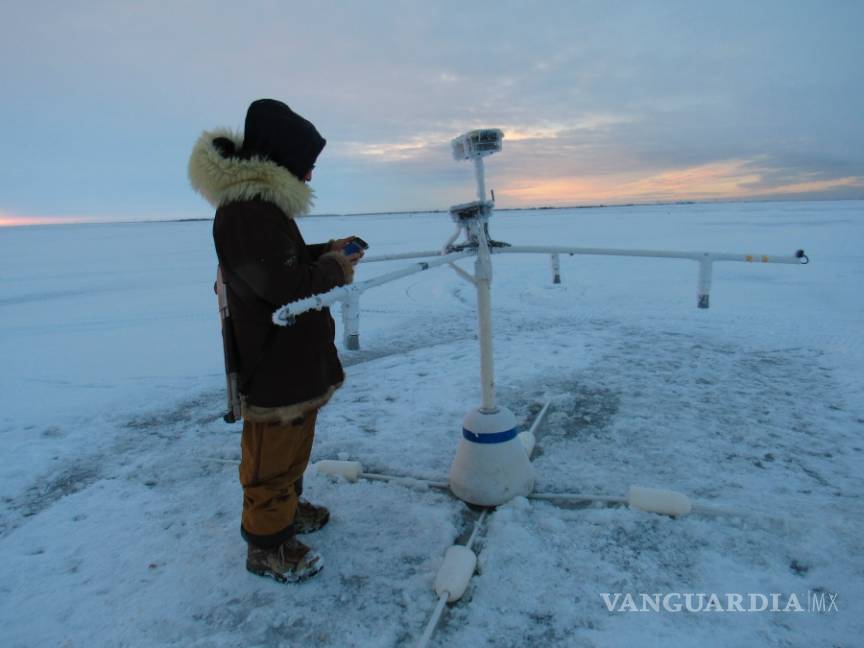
x,y
660,203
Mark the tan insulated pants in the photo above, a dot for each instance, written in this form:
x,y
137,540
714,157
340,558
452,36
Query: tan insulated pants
x,y
274,456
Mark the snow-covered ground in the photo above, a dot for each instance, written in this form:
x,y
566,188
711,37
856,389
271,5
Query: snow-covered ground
x,y
119,500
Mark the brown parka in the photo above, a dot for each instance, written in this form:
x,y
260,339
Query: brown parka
x,y
284,371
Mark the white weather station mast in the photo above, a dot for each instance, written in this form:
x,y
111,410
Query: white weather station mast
x,y
492,463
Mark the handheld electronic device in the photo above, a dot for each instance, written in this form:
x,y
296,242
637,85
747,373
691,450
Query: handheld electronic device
x,y
354,246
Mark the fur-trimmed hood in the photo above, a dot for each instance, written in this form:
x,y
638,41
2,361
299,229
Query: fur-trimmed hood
x,y
224,179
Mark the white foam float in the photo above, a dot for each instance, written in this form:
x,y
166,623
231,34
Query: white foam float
x,y
455,572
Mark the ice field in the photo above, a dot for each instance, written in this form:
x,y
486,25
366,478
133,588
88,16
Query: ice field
x,y
119,499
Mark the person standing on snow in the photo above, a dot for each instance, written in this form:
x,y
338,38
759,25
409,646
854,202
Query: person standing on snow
x,y
258,185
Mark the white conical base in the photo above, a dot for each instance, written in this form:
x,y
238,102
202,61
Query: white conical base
x,y
491,466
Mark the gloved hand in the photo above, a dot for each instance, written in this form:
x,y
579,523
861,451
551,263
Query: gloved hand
x,y
339,244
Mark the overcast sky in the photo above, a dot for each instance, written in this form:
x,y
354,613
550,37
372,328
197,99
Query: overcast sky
x,y
600,102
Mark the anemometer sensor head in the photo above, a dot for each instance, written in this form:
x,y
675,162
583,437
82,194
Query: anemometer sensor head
x,y
477,143
468,212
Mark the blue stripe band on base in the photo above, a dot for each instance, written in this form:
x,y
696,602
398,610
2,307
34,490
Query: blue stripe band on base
x,y
495,437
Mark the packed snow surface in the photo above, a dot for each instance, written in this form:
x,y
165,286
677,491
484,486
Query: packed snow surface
x,y
119,499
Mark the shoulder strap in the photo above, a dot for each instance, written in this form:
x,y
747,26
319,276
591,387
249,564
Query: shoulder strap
x,y
240,288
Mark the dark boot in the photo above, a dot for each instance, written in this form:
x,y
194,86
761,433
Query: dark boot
x,y
290,562
309,518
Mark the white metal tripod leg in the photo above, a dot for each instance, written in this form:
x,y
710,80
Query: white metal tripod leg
x,y
351,322
556,269
705,271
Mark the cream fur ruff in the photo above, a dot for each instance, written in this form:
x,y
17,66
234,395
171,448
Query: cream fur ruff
x,y
285,413
343,262
224,180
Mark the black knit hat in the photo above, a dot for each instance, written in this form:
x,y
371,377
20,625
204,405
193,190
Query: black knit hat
x,y
276,132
